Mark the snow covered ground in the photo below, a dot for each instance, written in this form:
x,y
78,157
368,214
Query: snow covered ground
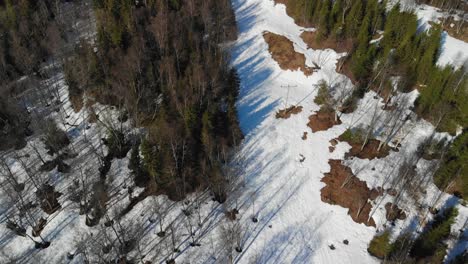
x,y
453,51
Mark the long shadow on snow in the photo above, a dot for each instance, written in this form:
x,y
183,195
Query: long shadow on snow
x,y
245,17
264,221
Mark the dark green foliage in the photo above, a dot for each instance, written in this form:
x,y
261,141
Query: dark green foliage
x,y
323,95
429,242
380,245
355,135
454,166
324,25
135,164
54,138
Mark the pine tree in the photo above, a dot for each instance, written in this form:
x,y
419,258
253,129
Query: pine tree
x,y
353,19
324,20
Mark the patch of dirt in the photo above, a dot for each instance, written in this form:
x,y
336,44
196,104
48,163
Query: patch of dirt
x,y
370,150
392,192
376,193
48,198
323,120
304,136
345,189
286,113
394,213
454,29
333,143
282,51
232,215
310,38
343,66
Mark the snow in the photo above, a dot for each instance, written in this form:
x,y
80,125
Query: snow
x,y
453,51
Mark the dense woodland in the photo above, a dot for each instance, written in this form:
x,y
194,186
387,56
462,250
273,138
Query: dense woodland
x,y
171,85
174,81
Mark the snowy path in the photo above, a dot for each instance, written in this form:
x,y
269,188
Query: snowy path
x,y
288,192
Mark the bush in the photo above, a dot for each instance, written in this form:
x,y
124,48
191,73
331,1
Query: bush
x,y
454,167
429,242
323,96
55,138
354,135
380,246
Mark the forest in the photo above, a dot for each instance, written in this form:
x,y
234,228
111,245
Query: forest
x,y
174,81
172,88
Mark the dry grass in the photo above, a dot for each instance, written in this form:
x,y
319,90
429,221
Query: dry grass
x,y
282,51
323,120
345,189
310,38
286,113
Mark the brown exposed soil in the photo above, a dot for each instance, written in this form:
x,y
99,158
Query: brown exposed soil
x,y
48,198
344,67
304,136
394,213
333,143
461,33
322,120
376,193
286,113
370,150
232,215
392,192
310,38
282,51
345,189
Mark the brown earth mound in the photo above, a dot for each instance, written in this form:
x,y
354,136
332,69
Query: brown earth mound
x,y
370,150
393,212
344,67
345,189
282,51
333,143
310,38
286,113
322,120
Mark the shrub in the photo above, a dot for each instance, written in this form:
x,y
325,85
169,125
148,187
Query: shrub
x,y
380,246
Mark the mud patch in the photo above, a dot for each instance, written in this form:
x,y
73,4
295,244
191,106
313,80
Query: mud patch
x,y
344,67
345,189
394,213
370,150
286,113
282,51
310,38
333,143
323,120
